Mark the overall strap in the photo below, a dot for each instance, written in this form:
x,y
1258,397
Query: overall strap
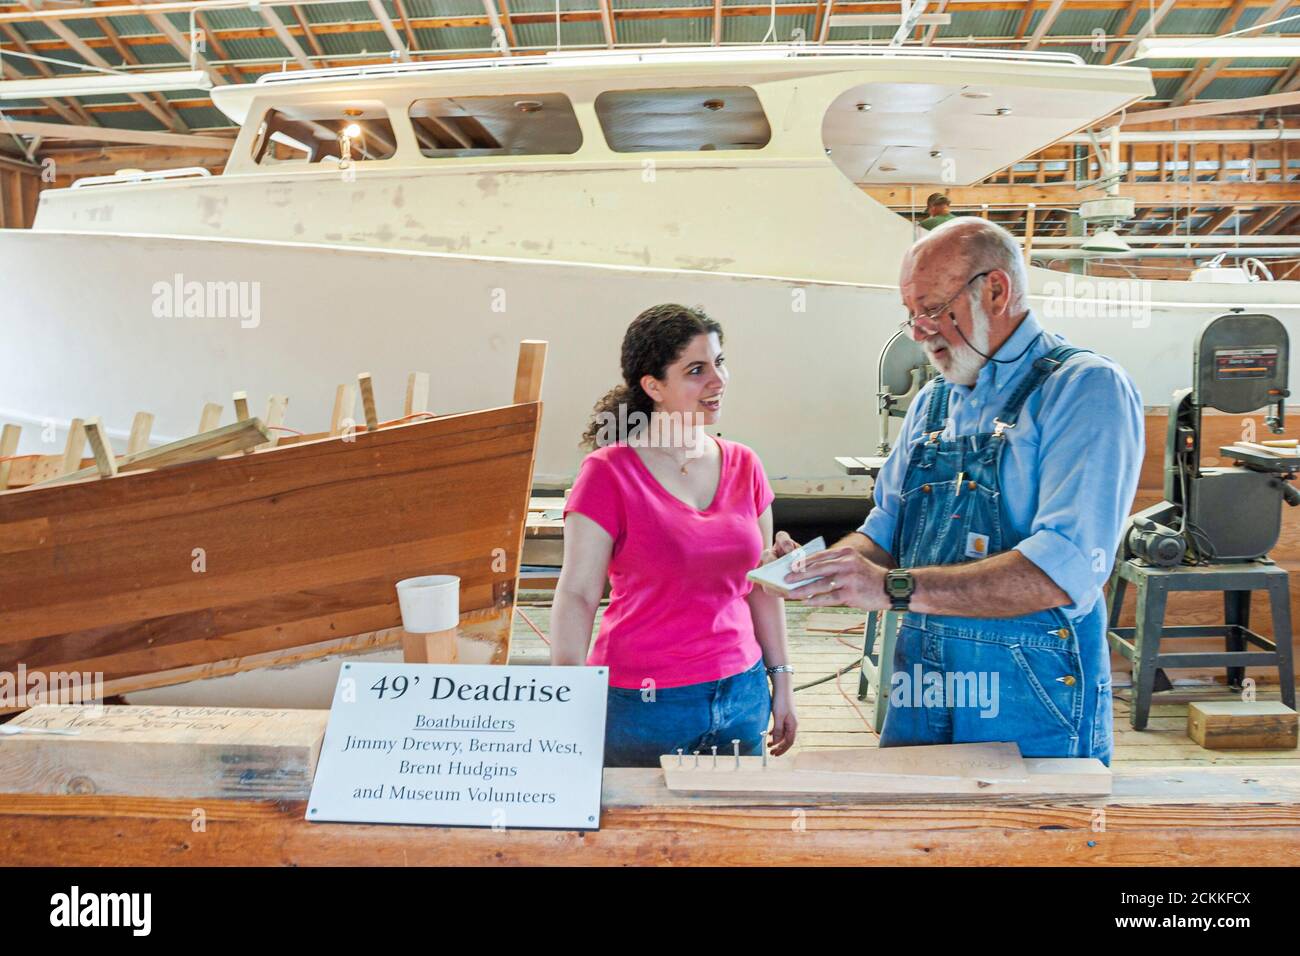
x,y
1042,367
936,410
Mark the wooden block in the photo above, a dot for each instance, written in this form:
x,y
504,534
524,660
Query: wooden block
x,y
235,437
228,752
241,406
210,417
884,774
417,393
345,400
8,446
1242,725
75,446
528,373
141,427
437,648
851,466
105,460
276,406
368,408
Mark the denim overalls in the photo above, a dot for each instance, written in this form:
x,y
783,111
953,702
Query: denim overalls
x,y
1040,680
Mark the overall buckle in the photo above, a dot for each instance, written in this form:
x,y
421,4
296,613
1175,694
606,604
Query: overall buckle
x,y
1000,426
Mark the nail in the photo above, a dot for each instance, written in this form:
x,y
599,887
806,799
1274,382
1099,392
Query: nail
x,y
697,759
679,756
735,747
715,758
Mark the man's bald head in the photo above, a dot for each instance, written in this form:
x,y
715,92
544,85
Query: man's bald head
x,y
968,246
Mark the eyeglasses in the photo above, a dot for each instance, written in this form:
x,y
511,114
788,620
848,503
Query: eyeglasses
x,y
931,316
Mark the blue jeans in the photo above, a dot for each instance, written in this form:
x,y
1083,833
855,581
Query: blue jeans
x,y
639,727
1028,680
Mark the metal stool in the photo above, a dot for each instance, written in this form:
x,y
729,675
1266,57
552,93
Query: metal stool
x,y
878,669
1141,644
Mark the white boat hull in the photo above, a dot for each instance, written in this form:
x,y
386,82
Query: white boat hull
x,y
802,354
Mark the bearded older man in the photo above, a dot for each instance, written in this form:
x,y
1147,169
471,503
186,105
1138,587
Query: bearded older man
x,y
997,515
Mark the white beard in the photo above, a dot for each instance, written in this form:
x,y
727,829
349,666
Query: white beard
x,y
963,364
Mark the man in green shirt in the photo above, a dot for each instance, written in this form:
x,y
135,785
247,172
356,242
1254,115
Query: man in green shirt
x,y
936,211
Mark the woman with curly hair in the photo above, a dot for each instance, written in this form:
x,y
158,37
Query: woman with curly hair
x,y
674,518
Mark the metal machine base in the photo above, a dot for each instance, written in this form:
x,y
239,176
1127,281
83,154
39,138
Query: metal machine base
x,y
1141,644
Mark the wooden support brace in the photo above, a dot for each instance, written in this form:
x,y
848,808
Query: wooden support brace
x,y
241,407
141,427
367,387
8,446
417,393
528,373
210,417
75,446
275,409
345,400
437,648
227,440
1029,231
105,461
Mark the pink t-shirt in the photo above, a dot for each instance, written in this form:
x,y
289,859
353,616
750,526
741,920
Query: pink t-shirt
x,y
677,612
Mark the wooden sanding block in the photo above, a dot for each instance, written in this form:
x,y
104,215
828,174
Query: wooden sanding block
x,y
230,752
1242,725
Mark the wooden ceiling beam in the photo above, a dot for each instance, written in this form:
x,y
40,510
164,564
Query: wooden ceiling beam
x,y
1260,219
1216,220
411,42
390,31
1205,74
164,114
1045,23
285,37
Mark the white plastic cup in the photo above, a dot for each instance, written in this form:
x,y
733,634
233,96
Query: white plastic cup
x,y
429,604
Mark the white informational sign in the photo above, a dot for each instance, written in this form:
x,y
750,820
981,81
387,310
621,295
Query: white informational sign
x,y
463,745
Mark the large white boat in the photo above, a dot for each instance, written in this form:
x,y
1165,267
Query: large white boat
x,y
428,216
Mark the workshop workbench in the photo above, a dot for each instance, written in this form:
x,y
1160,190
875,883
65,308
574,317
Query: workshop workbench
x,y
1158,816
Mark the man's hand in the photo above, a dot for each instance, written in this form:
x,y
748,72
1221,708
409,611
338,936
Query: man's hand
x,y
847,580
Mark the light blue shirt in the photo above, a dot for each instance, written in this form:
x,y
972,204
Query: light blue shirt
x,y
1070,468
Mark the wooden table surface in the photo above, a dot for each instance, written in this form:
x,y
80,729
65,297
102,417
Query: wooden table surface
x,y
1223,816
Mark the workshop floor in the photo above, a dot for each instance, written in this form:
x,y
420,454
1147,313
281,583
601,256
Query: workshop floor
x,y
830,714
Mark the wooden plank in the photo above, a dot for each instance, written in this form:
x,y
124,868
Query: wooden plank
x,y
86,594
222,752
9,437
1242,725
367,387
141,427
437,648
345,400
953,771
528,373
1198,816
417,393
209,418
276,406
235,437
241,406
101,449
76,444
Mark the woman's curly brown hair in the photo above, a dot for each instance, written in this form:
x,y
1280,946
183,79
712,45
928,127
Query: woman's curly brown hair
x,y
655,339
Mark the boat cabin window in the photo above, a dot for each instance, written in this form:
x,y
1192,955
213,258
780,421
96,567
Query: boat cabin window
x,y
529,124
311,134
691,119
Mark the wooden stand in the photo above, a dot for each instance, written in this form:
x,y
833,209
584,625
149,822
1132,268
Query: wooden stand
x,y
436,648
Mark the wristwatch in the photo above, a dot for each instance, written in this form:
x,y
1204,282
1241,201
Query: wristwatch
x,y
899,585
